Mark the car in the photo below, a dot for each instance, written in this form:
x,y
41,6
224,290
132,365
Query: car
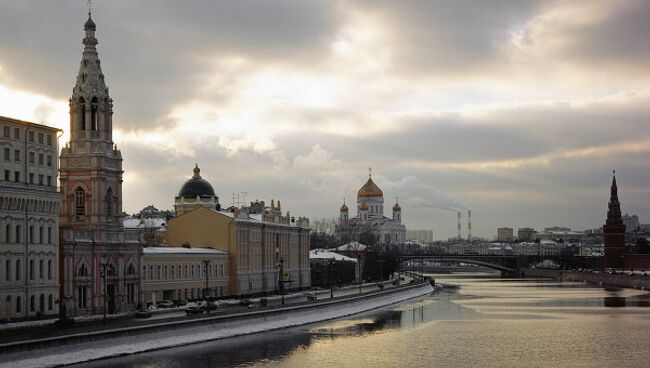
x,y
142,313
245,302
194,309
311,296
209,306
165,304
180,303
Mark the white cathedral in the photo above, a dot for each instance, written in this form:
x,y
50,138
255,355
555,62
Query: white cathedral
x,y
370,218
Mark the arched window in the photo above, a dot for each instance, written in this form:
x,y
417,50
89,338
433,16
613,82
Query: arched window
x,y
93,113
17,278
18,304
130,270
18,233
80,201
109,203
49,302
82,111
31,234
41,303
32,303
41,235
8,233
8,270
49,270
31,269
83,270
40,269
49,235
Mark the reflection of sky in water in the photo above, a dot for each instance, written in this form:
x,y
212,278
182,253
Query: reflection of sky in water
x,y
484,322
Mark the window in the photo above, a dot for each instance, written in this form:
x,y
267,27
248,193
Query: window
x,y
16,133
32,303
8,270
32,158
18,304
31,234
16,176
31,136
49,159
40,138
49,270
6,132
49,181
83,270
31,269
49,235
109,202
93,113
17,278
18,233
41,236
31,178
82,110
80,202
40,159
41,268
7,175
130,270
158,273
40,179
7,154
81,295
49,300
17,155
49,140
150,272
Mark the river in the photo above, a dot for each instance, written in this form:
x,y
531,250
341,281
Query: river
x,y
479,320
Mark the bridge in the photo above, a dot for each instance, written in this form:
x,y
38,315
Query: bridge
x,y
509,265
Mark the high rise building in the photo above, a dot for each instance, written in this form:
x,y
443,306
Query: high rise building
x,y
614,230
29,221
99,267
505,234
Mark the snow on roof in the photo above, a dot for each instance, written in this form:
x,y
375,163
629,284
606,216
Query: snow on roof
x,y
326,254
353,246
149,223
182,250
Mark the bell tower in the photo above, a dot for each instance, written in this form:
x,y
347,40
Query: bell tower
x,y
98,266
614,230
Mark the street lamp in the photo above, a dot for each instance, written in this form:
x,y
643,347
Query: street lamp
x,y
280,278
206,262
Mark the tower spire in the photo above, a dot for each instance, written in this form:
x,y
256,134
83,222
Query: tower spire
x,y
613,198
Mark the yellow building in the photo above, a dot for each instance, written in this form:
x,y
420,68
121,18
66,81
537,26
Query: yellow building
x,y
259,244
174,273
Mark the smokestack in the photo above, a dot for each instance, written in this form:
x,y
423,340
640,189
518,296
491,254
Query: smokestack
x,y
469,225
459,236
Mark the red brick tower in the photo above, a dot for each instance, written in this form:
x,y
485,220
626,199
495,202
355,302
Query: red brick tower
x,y
614,230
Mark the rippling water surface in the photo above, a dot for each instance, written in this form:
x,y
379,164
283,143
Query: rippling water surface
x,y
482,321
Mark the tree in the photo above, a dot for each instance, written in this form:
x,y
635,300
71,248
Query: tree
x,y
643,245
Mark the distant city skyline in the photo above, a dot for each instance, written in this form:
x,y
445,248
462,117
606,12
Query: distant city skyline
x,y
515,110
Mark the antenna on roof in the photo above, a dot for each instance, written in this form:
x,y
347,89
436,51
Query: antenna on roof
x,y
90,6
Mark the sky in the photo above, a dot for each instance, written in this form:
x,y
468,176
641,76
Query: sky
x,y
517,110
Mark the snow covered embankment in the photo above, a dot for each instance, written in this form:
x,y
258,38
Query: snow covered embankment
x,y
93,350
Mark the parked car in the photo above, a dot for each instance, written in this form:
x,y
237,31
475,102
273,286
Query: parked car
x,y
311,296
246,302
180,303
165,304
142,313
194,309
209,306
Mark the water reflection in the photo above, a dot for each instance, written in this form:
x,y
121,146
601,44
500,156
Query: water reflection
x,y
481,321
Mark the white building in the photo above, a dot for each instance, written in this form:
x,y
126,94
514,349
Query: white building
x,y
370,218
29,220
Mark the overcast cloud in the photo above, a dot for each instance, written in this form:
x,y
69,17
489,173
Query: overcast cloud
x,y
518,110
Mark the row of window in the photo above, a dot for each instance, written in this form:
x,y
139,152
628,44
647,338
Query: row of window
x,y
13,234
18,307
42,158
42,179
80,202
29,205
182,272
16,270
83,295
110,270
42,137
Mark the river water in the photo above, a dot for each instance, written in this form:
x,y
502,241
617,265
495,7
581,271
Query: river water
x,y
480,320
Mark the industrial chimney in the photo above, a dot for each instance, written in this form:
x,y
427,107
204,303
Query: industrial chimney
x,y
459,235
469,225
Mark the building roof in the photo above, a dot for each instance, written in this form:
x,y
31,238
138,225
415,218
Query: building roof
x,y
196,186
326,254
182,250
353,246
370,189
145,223
27,123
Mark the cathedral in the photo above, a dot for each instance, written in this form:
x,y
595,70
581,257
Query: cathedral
x,y
99,267
370,218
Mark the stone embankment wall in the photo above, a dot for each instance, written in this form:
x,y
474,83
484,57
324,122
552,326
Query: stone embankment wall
x,y
621,280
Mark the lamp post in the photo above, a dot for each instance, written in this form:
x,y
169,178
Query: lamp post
x,y
329,277
359,267
280,278
206,262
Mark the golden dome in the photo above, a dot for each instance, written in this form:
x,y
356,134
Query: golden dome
x,y
363,206
370,189
344,208
397,207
